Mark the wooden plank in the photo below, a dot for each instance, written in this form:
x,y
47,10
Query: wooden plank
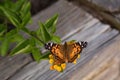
x,y
95,41
68,17
88,29
74,23
42,71
9,65
108,4
98,12
86,56
104,65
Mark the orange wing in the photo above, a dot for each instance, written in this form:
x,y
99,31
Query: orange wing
x,y
58,52
72,51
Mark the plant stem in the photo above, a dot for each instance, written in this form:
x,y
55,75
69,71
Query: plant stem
x,y
34,36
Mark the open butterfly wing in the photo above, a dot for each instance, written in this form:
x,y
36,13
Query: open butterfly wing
x,y
73,50
58,52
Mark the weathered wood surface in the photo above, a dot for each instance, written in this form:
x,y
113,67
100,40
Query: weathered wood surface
x,y
73,23
99,12
104,65
111,5
10,65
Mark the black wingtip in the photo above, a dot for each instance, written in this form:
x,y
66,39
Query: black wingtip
x,y
84,44
48,46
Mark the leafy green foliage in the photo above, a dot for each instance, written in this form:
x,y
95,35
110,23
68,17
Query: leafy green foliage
x,y
22,47
45,36
2,29
18,14
36,54
51,23
4,47
56,39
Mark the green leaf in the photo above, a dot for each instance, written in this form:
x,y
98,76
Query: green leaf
x,y
12,16
26,8
36,54
25,13
22,47
16,38
8,3
26,30
2,29
51,23
26,20
56,39
45,36
35,51
32,42
39,43
13,36
11,33
19,4
4,46
2,16
1,39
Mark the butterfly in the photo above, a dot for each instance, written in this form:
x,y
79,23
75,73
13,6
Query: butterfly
x,y
67,52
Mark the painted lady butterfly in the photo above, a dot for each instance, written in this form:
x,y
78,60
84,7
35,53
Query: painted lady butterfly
x,y
67,52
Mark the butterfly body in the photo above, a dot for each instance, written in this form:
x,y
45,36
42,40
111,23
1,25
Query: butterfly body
x,y
67,52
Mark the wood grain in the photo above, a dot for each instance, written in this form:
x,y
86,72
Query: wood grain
x,y
98,12
74,23
104,65
10,65
87,29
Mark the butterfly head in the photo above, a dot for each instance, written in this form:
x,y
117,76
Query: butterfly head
x,y
48,46
83,44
